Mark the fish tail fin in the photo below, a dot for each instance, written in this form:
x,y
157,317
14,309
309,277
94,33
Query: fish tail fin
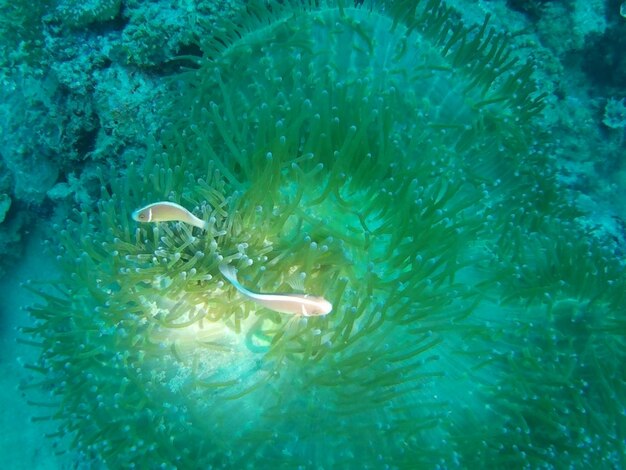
x,y
229,272
198,222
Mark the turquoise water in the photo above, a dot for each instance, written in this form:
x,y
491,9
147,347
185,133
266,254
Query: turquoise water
x,y
450,184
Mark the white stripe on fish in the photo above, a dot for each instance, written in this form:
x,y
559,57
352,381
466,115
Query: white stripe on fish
x,y
168,211
296,304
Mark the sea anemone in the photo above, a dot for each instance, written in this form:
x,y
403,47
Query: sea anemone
x,y
386,159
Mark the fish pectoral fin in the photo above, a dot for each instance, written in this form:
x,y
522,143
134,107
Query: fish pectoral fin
x,y
303,311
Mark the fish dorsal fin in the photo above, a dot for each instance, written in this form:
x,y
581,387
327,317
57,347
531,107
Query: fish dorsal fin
x,y
296,282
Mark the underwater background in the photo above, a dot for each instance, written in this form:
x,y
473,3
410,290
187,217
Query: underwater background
x,y
449,175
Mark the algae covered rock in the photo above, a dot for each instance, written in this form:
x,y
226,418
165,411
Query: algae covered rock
x,y
79,15
5,205
387,160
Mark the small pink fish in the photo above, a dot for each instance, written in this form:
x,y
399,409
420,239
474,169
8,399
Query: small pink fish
x,y
168,211
296,304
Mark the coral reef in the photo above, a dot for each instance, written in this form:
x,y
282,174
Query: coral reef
x,y
577,44
78,15
571,23
390,160
615,114
159,32
79,80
